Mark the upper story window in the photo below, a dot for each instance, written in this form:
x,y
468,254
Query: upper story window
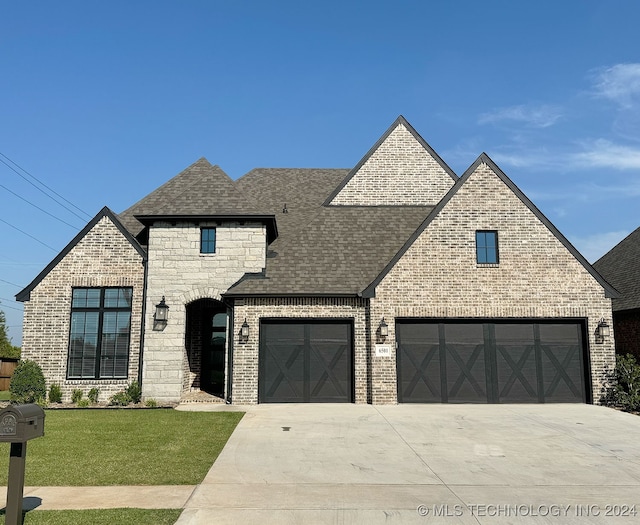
x,y
207,240
487,247
100,333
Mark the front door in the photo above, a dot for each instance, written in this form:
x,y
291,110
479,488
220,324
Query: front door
x,y
214,339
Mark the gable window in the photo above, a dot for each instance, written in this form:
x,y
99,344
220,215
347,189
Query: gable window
x,y
487,247
207,240
100,333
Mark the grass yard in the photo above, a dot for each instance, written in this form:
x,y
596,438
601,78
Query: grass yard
x,y
5,395
102,517
124,447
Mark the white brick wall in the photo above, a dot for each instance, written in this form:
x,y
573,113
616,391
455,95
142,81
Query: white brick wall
x,y
104,257
399,172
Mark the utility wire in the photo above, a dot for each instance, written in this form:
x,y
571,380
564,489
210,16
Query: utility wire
x,y
28,235
39,208
5,299
12,284
41,190
3,306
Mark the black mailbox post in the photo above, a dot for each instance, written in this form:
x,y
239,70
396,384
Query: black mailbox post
x,y
18,424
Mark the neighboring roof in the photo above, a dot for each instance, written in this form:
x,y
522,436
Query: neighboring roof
x,y
621,267
416,135
202,191
25,294
610,291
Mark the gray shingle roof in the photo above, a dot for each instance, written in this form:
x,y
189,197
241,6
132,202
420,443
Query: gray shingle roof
x,y
621,267
199,190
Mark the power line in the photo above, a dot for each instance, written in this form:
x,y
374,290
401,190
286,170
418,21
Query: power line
x,y
41,190
28,235
5,299
2,306
38,207
12,284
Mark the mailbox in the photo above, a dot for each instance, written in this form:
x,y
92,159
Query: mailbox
x,y
20,423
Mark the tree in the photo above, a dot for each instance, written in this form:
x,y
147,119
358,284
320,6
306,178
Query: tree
x,y
6,348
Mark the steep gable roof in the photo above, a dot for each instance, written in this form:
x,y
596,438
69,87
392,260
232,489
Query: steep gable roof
x,y
621,267
381,183
201,190
610,291
24,295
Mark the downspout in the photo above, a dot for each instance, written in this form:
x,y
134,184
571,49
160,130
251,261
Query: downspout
x,y
230,340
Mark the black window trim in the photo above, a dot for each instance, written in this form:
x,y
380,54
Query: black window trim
x,y
202,242
485,248
101,310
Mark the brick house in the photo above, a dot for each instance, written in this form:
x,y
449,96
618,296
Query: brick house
x,y
395,281
620,267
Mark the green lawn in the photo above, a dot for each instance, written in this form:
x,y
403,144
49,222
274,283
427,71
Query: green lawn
x,y
102,517
124,447
5,395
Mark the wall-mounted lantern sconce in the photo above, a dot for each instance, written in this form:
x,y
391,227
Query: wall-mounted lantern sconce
x,y
603,330
161,316
244,331
383,330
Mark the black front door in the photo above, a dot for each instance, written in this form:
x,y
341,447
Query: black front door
x,y
214,339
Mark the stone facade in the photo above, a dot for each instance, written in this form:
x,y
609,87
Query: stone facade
x,y
537,277
399,172
103,257
180,273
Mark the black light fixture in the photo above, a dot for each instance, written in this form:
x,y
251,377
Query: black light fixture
x,y
603,330
162,312
244,331
384,330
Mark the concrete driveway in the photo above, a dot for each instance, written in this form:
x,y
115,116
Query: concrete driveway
x,y
428,464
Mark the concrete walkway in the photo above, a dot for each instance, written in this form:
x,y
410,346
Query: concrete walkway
x,y
450,464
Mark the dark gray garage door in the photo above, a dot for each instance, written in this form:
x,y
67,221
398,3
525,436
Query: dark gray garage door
x,y
309,361
491,362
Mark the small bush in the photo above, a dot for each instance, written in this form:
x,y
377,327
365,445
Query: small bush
x,y
55,394
76,395
83,403
120,399
151,403
134,392
27,384
93,395
625,391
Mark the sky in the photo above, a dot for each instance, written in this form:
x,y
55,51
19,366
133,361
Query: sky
x,y
102,102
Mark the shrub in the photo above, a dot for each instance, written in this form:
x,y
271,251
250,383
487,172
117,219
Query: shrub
x,y
93,395
121,399
55,394
151,403
27,384
134,392
625,391
76,395
83,403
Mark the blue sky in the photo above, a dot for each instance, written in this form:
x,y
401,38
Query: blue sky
x,y
105,101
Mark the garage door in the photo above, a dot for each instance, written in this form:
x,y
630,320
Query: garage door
x,y
306,362
491,362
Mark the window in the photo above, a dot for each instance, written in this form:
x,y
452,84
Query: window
x,y
487,247
100,331
207,240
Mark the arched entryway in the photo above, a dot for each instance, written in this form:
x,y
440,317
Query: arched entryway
x,y
206,343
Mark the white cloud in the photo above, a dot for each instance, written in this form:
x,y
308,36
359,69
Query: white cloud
x,y
619,83
605,154
595,246
541,116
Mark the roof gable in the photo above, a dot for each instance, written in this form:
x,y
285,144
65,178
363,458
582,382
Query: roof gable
x,y
621,268
24,295
610,291
400,169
